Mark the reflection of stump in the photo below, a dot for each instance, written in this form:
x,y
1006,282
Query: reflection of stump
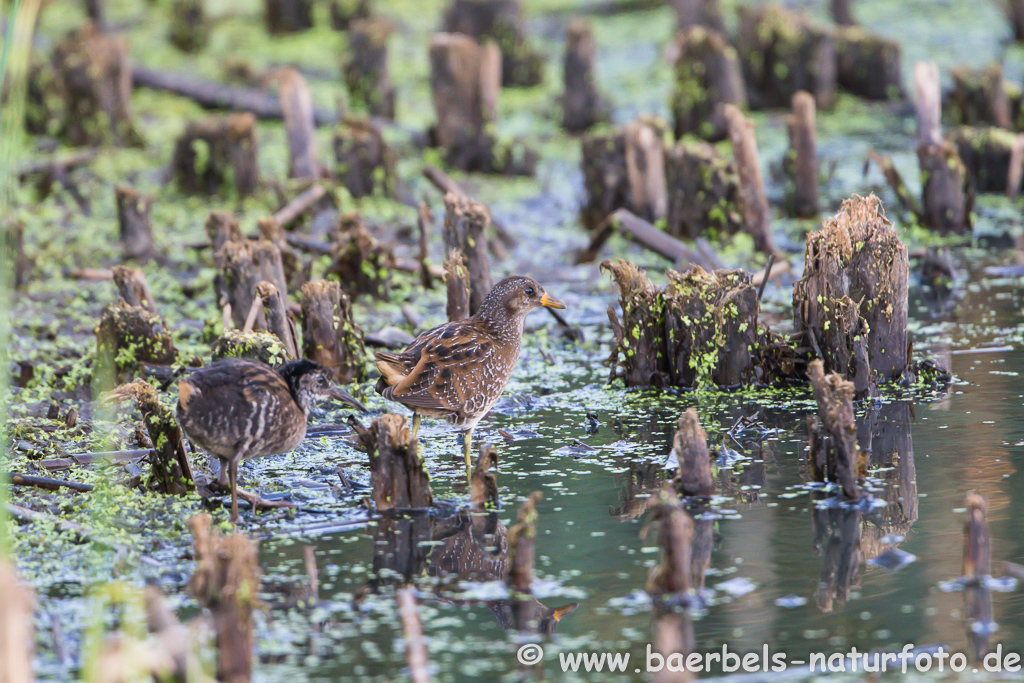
x,y
977,546
756,212
366,70
330,336
288,16
850,306
670,578
581,105
693,477
502,21
992,158
639,355
134,225
361,263
456,279
211,154
703,191
96,79
242,266
803,155
833,451
868,65
300,127
464,80
365,163
464,223
707,77
189,29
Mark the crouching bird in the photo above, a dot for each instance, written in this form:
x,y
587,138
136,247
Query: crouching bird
x,y
239,409
457,371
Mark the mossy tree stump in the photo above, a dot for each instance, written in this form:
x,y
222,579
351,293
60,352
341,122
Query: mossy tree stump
x,y
134,226
360,262
707,77
190,31
753,198
992,158
398,473
705,13
582,106
802,158
639,354
503,22
244,264
128,337
868,65
465,221
216,153
982,96
365,164
366,68
703,191
330,336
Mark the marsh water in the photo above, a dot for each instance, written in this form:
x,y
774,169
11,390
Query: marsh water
x,y
784,567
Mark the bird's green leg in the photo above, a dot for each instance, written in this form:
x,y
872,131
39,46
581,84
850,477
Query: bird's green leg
x,y
234,490
415,424
467,444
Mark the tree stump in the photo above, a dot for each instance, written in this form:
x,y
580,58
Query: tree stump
x,y
582,107
980,97
705,13
296,269
464,224
465,79
833,450
639,353
781,53
95,76
366,69
503,22
126,337
645,168
868,65
803,155
707,77
288,16
850,306
279,323
133,222
365,164
243,265
300,127
222,227
1015,16
991,157
344,13
604,177
190,32
945,192
358,260
710,327
456,279
841,13
263,346
397,471
330,336
214,153
756,212
132,287
693,476
703,191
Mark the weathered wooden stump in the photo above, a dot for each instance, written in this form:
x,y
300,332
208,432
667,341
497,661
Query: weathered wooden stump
x,y
754,200
465,221
703,191
850,306
128,336
190,31
226,581
216,153
945,193
582,106
259,345
832,443
693,476
707,77
456,279
705,13
397,471
279,322
221,228
802,158
980,96
365,164
288,16
299,124
639,354
360,262
297,271
366,68
465,79
992,158
244,264
868,65
133,222
503,22
344,13
330,336
781,53
1015,16
710,327
842,13
132,287
604,177
95,76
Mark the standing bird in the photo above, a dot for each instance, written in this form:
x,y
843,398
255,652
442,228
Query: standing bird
x,y
239,409
457,371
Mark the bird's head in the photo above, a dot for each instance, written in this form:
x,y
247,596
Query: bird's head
x,y
516,296
311,383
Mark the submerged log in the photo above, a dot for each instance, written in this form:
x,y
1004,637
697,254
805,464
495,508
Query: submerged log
x,y
464,223
803,155
288,16
977,545
366,69
243,265
96,82
190,31
503,22
397,471
707,77
991,157
868,65
226,581
693,476
456,279
850,306
832,442
365,164
359,260
945,192
127,337
703,191
639,354
465,79
211,154
756,212
16,638
134,225
330,336
582,106
299,125
133,288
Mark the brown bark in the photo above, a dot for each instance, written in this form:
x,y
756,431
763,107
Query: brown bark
x,y
456,279
424,221
693,477
229,155
465,79
226,581
133,287
299,125
344,13
756,212
365,164
397,471
833,450
502,21
288,16
16,640
242,266
190,31
330,337
705,13
358,260
134,225
366,70
977,546
279,323
979,96
645,168
639,355
944,184
222,227
895,181
803,155
990,157
707,77
582,107
296,272
650,236
464,224
703,192
868,65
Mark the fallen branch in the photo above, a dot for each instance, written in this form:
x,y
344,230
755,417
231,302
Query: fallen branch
x,y
647,235
290,212
47,483
445,184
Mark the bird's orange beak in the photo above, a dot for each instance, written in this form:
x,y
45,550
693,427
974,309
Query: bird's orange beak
x,y
550,301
